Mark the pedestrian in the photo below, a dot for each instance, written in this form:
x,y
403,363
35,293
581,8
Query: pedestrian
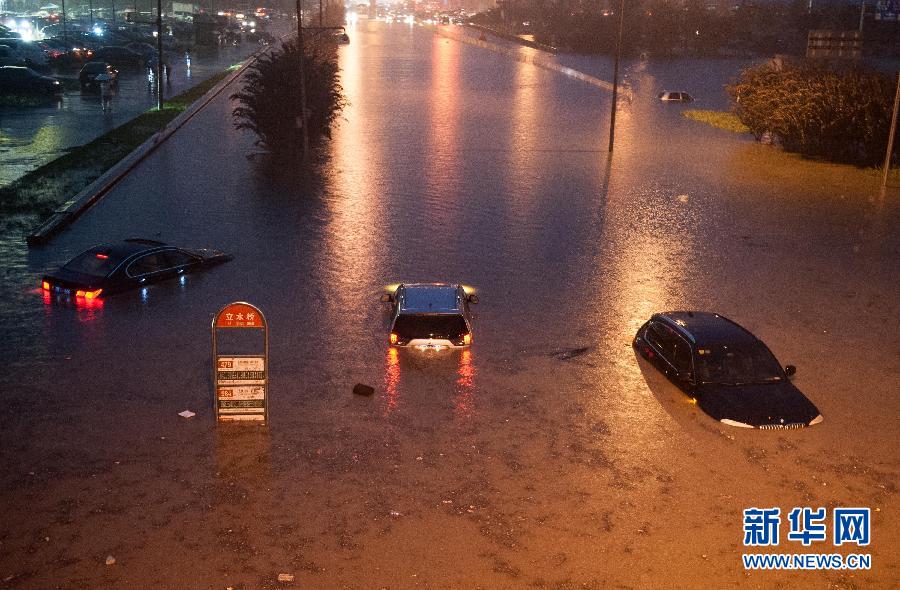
x,y
105,92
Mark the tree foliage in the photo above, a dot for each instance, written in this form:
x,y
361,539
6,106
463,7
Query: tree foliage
x,y
269,102
840,114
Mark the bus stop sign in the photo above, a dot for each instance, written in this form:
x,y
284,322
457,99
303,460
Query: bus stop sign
x,y
241,380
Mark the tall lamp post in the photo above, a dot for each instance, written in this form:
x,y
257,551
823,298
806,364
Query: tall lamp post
x,y
65,32
159,56
615,91
890,145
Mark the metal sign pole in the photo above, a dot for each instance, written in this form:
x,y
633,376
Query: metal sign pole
x,y
890,145
240,381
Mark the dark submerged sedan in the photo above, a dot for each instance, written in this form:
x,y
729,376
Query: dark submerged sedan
x,y
731,373
111,268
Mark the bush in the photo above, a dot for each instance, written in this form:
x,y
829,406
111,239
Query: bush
x,y
842,115
270,98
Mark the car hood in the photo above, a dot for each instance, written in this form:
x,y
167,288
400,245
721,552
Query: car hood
x,y
774,404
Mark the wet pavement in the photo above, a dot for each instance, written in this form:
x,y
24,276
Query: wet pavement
x,y
33,136
544,456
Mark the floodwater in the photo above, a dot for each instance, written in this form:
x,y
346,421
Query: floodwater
x,y
33,136
546,455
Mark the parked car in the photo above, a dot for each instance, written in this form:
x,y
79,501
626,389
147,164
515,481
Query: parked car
x,y
88,74
120,57
731,374
25,81
8,57
33,56
145,49
112,268
667,96
430,315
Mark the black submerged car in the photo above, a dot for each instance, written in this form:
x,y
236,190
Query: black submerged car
x,y
731,373
111,268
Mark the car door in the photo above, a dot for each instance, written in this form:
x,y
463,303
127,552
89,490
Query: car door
x,y
673,355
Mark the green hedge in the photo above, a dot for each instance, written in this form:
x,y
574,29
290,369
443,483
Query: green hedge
x,y
841,115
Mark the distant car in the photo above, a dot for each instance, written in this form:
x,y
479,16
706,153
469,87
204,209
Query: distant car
x,y
342,38
25,81
675,97
111,268
144,49
729,372
88,74
120,57
430,315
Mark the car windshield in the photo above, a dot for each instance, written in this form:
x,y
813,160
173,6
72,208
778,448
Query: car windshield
x,y
94,68
93,263
444,326
736,365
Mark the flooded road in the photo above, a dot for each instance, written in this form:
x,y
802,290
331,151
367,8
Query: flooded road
x,y
546,455
33,136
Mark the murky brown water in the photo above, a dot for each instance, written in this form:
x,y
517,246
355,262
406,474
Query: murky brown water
x,y
547,455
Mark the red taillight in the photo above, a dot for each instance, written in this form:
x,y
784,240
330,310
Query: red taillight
x,y
467,339
102,256
45,286
88,294
393,338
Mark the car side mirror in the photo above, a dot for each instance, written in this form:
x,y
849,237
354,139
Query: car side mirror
x,y
790,370
473,299
387,298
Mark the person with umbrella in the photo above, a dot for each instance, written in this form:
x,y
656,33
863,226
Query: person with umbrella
x,y
105,91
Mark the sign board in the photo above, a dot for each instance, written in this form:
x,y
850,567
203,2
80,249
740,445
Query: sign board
x,y
241,380
842,44
888,10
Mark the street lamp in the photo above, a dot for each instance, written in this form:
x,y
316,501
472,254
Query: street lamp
x,y
615,91
159,56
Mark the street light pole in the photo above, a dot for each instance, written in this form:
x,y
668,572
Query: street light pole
x,y
159,56
320,13
91,9
304,132
65,31
615,91
890,145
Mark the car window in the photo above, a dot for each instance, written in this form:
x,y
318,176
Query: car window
x,y
444,326
660,337
148,264
737,364
179,258
93,263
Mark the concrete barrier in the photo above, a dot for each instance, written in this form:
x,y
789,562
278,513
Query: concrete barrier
x,y
94,192
533,59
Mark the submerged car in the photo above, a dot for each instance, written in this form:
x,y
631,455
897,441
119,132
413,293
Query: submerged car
x,y
667,96
25,81
731,374
88,74
111,268
430,315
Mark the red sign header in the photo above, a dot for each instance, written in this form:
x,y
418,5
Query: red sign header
x,y
240,315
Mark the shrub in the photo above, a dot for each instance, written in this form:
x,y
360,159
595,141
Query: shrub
x,y
837,114
270,99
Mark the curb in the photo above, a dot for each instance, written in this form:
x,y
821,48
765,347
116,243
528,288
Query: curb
x,y
535,60
91,194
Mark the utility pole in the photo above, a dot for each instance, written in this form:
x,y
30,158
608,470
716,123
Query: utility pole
x,y
304,132
159,56
320,13
862,13
65,32
114,11
615,91
890,145
91,8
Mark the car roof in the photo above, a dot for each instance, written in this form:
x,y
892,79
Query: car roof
x,y
707,329
429,298
127,248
